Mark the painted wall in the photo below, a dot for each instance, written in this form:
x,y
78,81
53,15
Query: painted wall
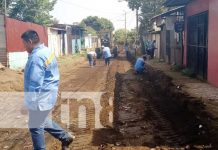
x,y
14,42
76,44
17,60
88,42
54,41
157,51
213,43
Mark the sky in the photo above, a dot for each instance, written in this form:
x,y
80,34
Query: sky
x,y
70,11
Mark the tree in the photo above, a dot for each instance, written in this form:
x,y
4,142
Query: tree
x,y
97,23
106,24
90,30
36,11
135,4
131,36
120,36
2,5
55,21
149,8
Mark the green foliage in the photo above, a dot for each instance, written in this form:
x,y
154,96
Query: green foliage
x,y
120,36
90,30
149,8
97,23
106,24
135,4
2,5
36,11
131,36
188,72
177,67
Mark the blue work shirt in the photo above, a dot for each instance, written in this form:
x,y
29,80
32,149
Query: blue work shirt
x,y
106,52
140,65
41,79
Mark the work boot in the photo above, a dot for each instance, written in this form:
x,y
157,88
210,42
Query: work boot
x,y
67,142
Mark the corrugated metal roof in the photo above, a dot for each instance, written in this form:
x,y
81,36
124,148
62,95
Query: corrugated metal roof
x,y
57,29
169,12
3,52
172,3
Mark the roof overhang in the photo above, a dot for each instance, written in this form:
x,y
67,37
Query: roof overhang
x,y
57,29
173,3
170,12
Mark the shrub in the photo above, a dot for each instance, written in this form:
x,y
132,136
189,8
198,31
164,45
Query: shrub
x,y
188,72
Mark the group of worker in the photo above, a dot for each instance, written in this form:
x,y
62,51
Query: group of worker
x,y
41,82
92,56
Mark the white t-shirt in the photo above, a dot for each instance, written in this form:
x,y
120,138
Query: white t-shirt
x,y
92,53
106,52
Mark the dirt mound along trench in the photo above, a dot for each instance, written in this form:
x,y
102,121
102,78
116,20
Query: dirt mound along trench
x,y
149,111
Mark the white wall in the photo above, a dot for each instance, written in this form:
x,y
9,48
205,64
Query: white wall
x,y
17,60
54,42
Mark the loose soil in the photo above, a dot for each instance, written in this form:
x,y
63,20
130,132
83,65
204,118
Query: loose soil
x,y
149,111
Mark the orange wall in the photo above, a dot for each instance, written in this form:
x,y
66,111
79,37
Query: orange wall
x,y
14,30
213,43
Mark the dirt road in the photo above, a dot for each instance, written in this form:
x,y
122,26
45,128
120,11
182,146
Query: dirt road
x,y
111,108
75,77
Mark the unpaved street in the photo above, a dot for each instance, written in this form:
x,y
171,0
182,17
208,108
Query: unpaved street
x,y
132,112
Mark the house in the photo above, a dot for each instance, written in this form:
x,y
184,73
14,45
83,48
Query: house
x,y
151,35
12,51
78,38
55,40
73,39
169,38
200,37
92,42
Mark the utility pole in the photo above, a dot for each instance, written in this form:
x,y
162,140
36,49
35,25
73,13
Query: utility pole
x,y
137,23
125,27
137,31
5,7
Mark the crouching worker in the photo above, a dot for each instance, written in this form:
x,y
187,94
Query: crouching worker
x,y
92,58
140,65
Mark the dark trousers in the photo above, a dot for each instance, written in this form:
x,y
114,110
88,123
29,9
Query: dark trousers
x,y
127,54
152,53
90,58
39,122
107,61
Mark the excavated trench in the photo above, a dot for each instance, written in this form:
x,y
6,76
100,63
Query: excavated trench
x,y
150,111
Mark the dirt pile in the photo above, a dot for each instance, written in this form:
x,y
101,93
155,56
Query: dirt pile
x,y
1,67
10,80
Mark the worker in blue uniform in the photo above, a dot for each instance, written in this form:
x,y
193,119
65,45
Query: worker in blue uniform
x,y
41,81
